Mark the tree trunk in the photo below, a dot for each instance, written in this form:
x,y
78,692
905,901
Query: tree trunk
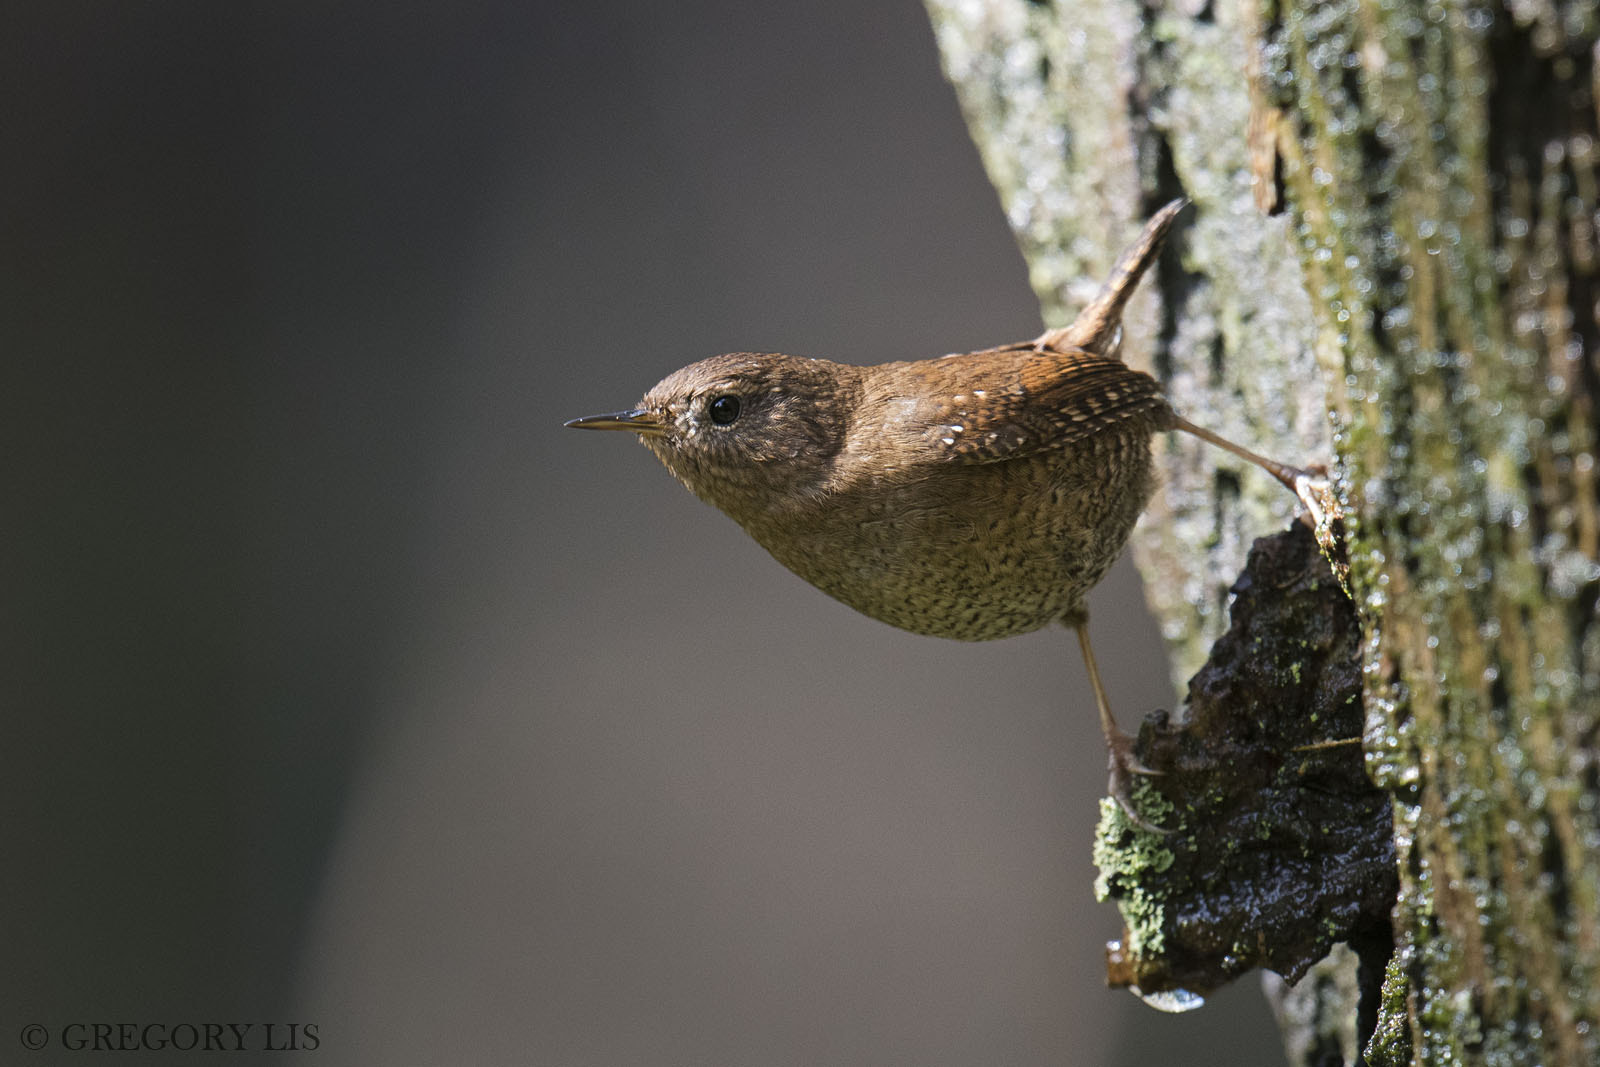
x,y
1390,266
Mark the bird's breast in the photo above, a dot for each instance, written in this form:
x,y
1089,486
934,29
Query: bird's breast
x,y
969,551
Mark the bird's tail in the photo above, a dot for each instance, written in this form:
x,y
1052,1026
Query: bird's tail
x,y
1098,326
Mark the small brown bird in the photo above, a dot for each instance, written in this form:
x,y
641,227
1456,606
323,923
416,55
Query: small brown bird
x,y
972,496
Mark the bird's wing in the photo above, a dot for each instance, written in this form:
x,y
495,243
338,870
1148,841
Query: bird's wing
x,y
1019,400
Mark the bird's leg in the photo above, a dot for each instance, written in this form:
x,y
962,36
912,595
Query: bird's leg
x,y
1120,760
1310,486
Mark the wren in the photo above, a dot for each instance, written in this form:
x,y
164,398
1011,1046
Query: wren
x,y
971,496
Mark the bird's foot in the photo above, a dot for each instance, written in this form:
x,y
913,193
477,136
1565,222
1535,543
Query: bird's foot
x,y
1315,490
1123,765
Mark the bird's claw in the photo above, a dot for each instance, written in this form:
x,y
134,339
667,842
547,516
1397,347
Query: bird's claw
x,y
1315,490
1122,764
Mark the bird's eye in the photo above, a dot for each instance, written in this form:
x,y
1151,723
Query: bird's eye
x,y
724,409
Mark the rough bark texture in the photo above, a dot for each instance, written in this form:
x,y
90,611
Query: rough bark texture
x,y
1395,223
1277,845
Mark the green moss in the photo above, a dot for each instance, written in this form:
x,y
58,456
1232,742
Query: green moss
x,y
1436,263
1126,855
1390,1044
1421,239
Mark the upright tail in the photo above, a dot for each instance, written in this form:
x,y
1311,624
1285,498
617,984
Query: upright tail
x,y
1097,327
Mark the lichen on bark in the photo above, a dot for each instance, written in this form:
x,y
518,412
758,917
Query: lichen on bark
x,y
1088,119
1276,845
1442,160
1430,278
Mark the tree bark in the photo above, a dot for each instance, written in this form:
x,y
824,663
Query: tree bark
x,y
1391,266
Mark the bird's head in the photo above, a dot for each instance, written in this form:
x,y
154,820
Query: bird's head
x,y
752,433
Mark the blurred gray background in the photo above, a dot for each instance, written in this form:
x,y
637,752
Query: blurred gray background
x,y
342,685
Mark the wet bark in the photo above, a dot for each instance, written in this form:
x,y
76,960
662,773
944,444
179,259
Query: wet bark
x,y
1391,266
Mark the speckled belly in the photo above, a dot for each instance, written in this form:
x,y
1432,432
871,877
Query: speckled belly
x,y
976,551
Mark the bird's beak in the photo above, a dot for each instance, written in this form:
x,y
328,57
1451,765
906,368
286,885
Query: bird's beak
x,y
639,420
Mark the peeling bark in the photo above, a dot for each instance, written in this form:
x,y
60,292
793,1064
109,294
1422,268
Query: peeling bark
x,y
1277,844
